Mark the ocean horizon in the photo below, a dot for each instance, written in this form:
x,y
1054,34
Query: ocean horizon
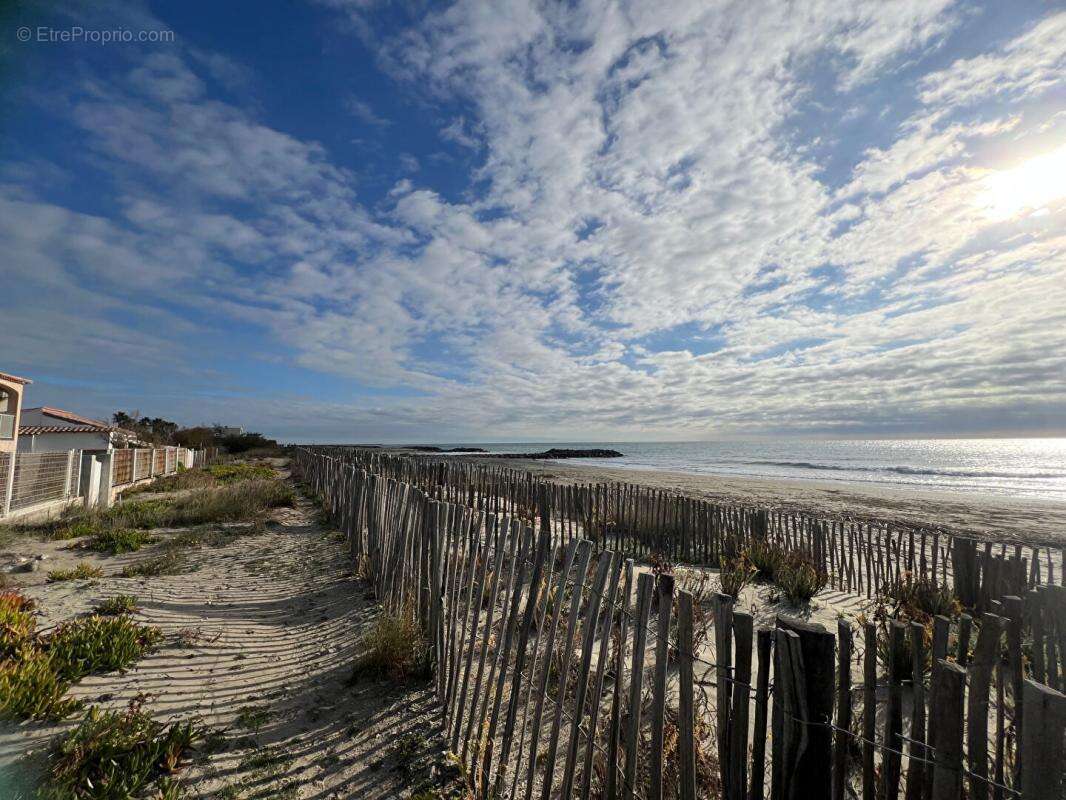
x,y
1012,467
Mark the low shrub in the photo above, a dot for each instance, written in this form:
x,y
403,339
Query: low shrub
x,y
83,571
75,530
915,596
394,648
116,755
737,574
139,514
764,557
98,644
31,687
117,540
17,623
910,599
799,578
37,670
117,605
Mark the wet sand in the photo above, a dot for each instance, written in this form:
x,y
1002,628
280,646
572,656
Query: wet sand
x,y
1029,521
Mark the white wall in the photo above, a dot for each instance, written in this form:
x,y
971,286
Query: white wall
x,y
53,442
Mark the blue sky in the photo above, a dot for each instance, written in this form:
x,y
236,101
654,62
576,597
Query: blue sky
x,y
343,221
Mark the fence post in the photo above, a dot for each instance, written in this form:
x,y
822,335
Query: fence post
x,y
811,775
946,715
840,745
66,480
107,470
1042,750
723,657
10,488
743,625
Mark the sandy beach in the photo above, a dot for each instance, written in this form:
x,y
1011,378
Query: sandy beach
x,y
1030,521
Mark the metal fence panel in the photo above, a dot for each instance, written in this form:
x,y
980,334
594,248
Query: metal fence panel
x,y
40,478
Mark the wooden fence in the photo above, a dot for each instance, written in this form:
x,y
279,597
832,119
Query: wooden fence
x,y
641,521
565,669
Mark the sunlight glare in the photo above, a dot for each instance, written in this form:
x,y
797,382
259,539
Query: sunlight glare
x,y
1030,186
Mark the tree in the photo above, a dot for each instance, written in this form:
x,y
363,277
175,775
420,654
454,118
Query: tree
x,y
122,419
198,437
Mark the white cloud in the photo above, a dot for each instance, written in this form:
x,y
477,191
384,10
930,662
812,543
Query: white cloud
x,y
364,112
673,140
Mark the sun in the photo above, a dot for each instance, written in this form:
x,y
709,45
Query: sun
x,y
1030,186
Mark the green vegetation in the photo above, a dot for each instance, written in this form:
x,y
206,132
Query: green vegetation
x,y
269,765
98,644
114,756
405,751
182,480
393,648
764,558
16,622
737,574
253,718
31,688
116,605
37,670
234,500
916,597
169,562
118,540
203,478
83,571
799,578
910,599
234,473
237,502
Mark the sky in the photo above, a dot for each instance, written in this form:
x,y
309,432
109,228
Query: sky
x,y
351,220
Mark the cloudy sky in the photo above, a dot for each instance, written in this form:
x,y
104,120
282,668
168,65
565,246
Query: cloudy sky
x,y
351,220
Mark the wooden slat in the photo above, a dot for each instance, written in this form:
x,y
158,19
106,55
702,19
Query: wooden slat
x,y
686,749
645,587
658,696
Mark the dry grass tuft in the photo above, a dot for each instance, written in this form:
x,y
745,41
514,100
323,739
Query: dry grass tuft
x,y
394,648
83,571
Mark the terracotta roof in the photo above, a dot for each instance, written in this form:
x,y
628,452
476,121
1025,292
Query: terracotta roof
x,y
33,430
14,378
59,413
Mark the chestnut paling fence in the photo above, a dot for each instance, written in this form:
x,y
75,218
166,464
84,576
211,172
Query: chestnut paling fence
x,y
563,669
859,558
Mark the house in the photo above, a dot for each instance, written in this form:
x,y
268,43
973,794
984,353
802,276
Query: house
x,y
223,430
11,390
48,430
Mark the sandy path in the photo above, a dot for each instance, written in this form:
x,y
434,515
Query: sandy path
x,y
260,638
999,518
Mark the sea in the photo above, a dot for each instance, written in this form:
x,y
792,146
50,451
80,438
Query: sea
x,y
1024,468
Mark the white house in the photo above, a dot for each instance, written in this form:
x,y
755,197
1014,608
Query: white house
x,y
48,430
